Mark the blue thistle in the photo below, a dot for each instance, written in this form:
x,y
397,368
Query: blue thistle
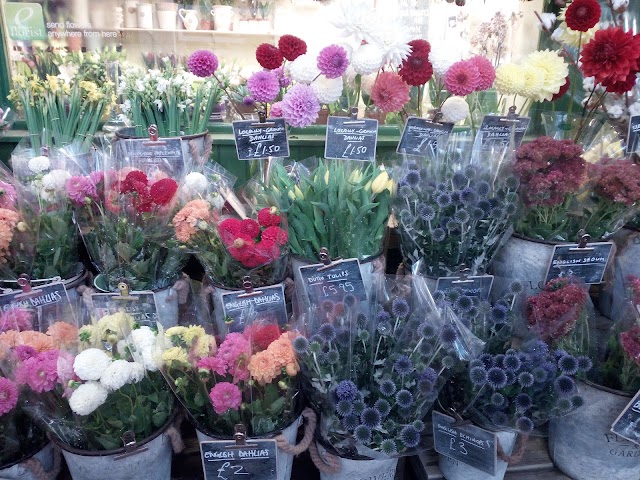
x,y
498,315
523,402
413,166
483,188
511,362
487,359
443,200
448,334
327,332
584,363
327,306
412,178
496,378
333,357
344,408
388,447
524,424
427,348
526,379
498,400
404,398
383,406
382,316
448,361
459,180
387,388
500,419
429,374
347,390
400,308
568,364
405,191
410,436
564,404
362,434
464,303
427,331
462,217
451,225
438,234
426,212
497,213
358,407
516,287
468,196
350,422
300,345
512,182
371,417
510,209
385,328
419,425
477,213
349,300
470,171
403,365
564,385
577,401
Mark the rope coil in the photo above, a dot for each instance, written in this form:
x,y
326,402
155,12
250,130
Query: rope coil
x,y
518,450
325,462
309,429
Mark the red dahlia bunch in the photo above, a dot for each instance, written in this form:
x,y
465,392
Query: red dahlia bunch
x,y
289,47
416,69
583,15
142,195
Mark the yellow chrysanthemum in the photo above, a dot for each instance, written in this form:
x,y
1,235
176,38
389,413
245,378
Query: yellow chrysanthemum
x,y
573,38
88,334
553,67
176,355
533,82
175,331
193,332
509,79
205,346
118,324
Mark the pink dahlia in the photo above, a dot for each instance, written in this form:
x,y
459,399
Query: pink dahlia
x,y
276,110
25,351
213,364
8,395
264,86
81,189
333,61
225,396
390,93
203,63
300,106
462,78
16,319
40,373
485,70
7,195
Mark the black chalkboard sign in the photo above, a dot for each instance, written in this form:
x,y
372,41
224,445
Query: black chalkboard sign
x,y
627,425
476,286
265,304
159,154
421,136
633,137
333,283
587,264
468,444
140,305
255,140
223,460
351,139
495,130
46,303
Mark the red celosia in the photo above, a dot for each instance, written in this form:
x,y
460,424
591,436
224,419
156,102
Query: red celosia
x,y
630,341
549,170
554,312
291,47
268,216
617,180
268,56
163,190
416,69
611,55
389,92
582,15
250,227
563,89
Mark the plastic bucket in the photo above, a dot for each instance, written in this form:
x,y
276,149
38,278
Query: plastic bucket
x,y
27,468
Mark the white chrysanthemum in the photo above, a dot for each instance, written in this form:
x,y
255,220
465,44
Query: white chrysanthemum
x,y
196,182
441,58
39,164
143,337
454,110
328,90
367,59
150,358
137,372
91,363
87,397
548,21
55,180
354,18
216,200
116,375
304,69
366,83
392,37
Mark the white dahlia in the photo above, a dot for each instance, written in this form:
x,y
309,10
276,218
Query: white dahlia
x,y
304,69
116,375
328,90
87,397
367,59
39,164
91,363
454,109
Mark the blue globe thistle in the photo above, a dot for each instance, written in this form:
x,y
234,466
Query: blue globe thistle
x,y
387,388
497,213
510,209
459,180
516,287
333,357
526,379
343,338
364,336
496,378
451,225
523,402
476,362
327,306
383,406
385,328
362,434
511,197
485,205
470,171
371,417
511,362
524,424
498,315
511,377
428,374
350,422
577,401
498,360
405,191
564,404
438,234
347,390
500,419
382,316
468,196
419,425
441,187
564,385
426,212
455,197
406,217
438,296
413,166
584,363
443,199
473,312
400,308
388,447
464,303
403,365
537,347
349,300
358,407
487,359
410,436
425,386
427,348
448,334
512,182
315,347
498,400
477,213
448,362
483,188
404,398
327,332
300,345
344,408
568,364
412,178
427,331
323,359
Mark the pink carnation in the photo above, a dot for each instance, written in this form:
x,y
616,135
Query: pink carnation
x,y
214,364
80,188
462,78
8,395
225,396
16,319
486,71
40,373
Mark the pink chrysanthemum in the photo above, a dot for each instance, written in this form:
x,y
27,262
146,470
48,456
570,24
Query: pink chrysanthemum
x,y
7,195
300,106
225,396
80,189
390,93
8,395
264,86
486,71
333,61
203,63
462,78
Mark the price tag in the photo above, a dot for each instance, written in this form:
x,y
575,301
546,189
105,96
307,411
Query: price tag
x,y
627,425
468,444
263,302
421,136
140,305
495,130
151,155
633,137
224,460
477,286
46,303
351,139
588,263
255,140
333,282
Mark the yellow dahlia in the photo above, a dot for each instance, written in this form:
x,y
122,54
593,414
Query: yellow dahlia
x,y
533,82
573,38
509,79
555,72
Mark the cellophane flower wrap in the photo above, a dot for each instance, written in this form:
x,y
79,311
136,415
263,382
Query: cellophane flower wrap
x,y
232,248
320,197
374,369
47,206
89,386
456,207
249,377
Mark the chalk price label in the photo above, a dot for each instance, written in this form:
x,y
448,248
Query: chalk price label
x,y
349,139
255,140
496,130
263,302
477,286
223,460
633,137
333,283
140,305
627,425
421,136
587,264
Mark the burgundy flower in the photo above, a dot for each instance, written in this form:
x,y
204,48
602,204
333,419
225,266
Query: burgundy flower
x,y
611,55
563,89
390,93
268,56
630,341
618,180
135,182
622,87
291,47
416,69
163,191
581,15
202,63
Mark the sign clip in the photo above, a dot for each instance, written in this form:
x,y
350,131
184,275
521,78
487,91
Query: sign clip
x,y
247,284
326,259
131,447
583,242
24,282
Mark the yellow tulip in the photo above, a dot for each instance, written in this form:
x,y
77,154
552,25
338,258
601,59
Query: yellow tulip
x,y
298,193
326,178
367,187
292,196
380,183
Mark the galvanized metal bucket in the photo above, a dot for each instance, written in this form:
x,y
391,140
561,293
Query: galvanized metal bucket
x,y
27,469
366,469
582,445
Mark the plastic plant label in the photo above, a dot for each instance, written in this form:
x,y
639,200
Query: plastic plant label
x,y
627,425
140,305
477,286
333,282
152,155
46,302
267,302
255,140
421,136
349,139
633,137
468,444
495,130
588,263
224,460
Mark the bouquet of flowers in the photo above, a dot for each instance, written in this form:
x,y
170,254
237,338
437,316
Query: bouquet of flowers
x,y
248,377
374,369
455,208
320,201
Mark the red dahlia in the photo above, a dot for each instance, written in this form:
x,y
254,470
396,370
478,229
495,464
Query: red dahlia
x,y
163,191
262,336
268,56
241,248
621,87
611,55
275,235
291,47
563,89
229,229
268,217
250,227
582,15
135,181
416,70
